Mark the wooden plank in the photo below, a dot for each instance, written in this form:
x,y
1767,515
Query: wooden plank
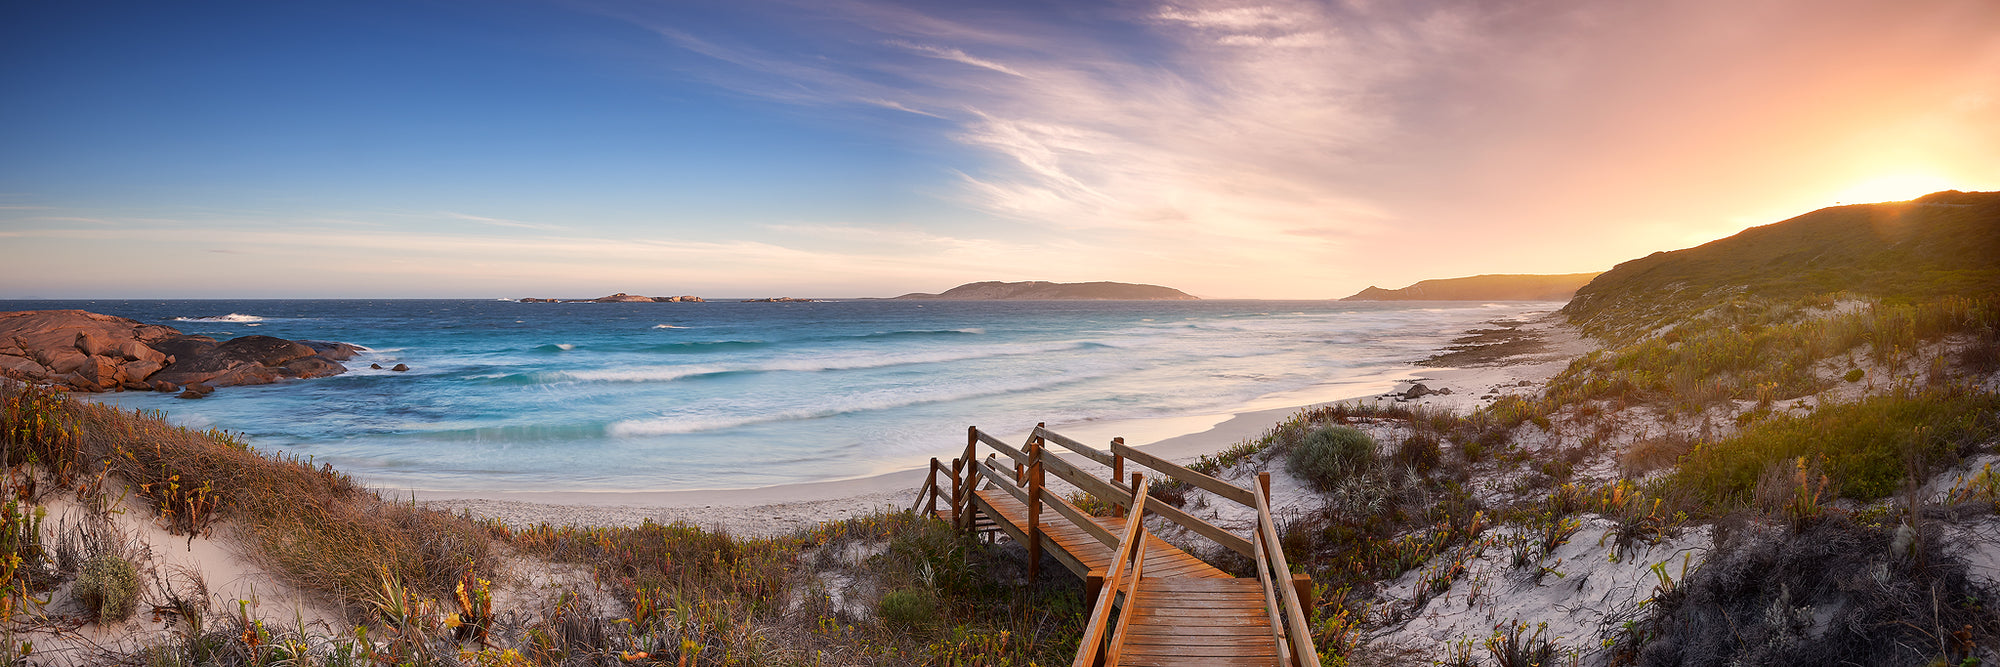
x,y
1205,661
1088,451
1217,649
1171,469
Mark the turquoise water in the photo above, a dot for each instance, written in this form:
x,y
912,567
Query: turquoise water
x,y
506,396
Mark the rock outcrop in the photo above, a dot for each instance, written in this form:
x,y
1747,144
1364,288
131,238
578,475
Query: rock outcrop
x,y
85,351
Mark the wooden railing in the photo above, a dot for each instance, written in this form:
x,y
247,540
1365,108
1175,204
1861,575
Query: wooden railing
x,y
1101,642
1287,596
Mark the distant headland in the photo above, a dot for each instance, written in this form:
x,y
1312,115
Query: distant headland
x,y
1496,287
1041,290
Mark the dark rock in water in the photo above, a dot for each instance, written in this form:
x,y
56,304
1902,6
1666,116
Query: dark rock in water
x,y
186,347
264,350
312,367
197,390
165,387
375,366
332,350
399,367
192,394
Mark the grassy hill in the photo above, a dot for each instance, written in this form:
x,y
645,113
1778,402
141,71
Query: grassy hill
x,y
1946,243
1490,287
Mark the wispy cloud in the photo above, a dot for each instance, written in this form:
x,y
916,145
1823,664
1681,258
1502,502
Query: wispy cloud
x,y
1302,138
956,56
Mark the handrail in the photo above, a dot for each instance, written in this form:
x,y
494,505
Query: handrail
x,y
1095,637
1273,557
1170,469
1004,448
1119,493
1092,453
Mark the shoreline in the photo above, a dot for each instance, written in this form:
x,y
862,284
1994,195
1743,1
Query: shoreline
x,y
783,508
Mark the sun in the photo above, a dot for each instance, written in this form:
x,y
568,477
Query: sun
x,y
1900,186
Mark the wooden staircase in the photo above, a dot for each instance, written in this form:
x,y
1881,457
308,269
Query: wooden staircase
x,y
1164,606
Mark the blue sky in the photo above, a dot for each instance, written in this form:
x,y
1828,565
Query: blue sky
x,y
861,148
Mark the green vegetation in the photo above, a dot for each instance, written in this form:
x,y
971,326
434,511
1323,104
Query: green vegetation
x,y
108,586
1330,454
1869,446
1940,245
1763,350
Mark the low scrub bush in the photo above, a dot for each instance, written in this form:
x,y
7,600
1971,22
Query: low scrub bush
x,y
1834,592
1330,454
108,587
907,608
1420,453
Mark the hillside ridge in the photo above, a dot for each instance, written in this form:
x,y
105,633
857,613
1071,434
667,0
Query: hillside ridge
x,y
1484,287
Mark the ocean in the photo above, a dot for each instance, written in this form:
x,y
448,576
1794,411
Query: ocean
x,y
504,396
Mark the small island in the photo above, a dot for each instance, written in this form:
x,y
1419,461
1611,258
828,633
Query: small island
x,y
1041,290
620,297
1492,287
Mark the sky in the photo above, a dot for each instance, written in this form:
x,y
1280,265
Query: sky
x,y
844,148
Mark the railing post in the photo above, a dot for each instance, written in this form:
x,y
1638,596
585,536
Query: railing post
x,y
961,501
1034,508
1117,472
957,494
935,468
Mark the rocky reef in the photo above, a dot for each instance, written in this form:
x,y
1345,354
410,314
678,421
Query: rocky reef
x,y
85,351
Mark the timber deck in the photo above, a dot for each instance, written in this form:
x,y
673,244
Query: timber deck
x,y
1170,607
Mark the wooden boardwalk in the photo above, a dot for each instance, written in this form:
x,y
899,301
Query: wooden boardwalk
x,y
1151,603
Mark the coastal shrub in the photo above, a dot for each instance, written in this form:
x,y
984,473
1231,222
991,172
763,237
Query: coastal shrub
x,y
907,608
1330,454
1513,646
1853,375
1833,592
1865,445
108,587
1419,452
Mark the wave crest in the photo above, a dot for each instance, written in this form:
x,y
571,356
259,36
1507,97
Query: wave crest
x,y
232,317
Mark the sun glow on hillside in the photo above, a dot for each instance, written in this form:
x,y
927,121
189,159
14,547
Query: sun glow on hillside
x,y
1902,186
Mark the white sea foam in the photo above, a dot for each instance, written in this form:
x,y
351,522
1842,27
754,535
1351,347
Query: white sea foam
x,y
667,326
814,364
882,399
232,317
